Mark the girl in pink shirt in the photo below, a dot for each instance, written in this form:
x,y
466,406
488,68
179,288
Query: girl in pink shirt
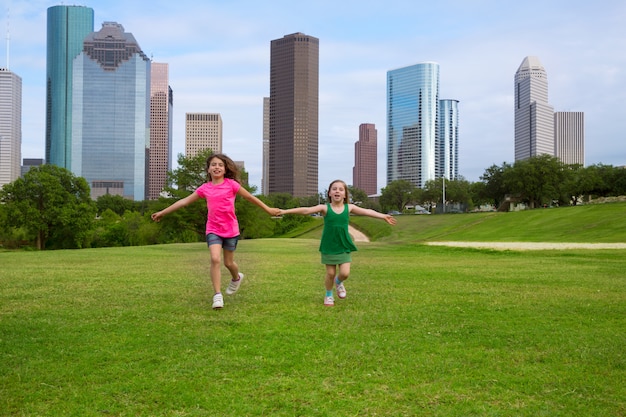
x,y
222,227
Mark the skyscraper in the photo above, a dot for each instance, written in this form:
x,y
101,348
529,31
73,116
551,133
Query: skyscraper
x,y
365,169
412,124
161,108
67,28
266,146
534,117
448,147
202,131
294,103
10,126
569,137
111,113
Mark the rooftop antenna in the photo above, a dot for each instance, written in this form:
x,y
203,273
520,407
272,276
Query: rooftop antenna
x,y
8,36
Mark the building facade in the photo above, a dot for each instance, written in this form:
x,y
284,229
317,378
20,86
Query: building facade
x,y
534,116
266,147
67,27
412,123
161,108
10,126
365,170
448,147
202,131
569,137
293,118
111,113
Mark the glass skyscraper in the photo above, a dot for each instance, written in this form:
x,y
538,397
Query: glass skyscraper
x,y
111,113
412,124
67,28
448,148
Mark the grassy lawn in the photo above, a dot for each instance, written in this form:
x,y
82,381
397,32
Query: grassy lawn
x,y
425,331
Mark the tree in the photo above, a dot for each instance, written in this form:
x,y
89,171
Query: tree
x,y
115,203
397,194
52,205
494,189
537,180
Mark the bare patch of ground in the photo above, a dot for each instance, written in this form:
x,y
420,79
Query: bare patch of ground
x,y
530,245
356,235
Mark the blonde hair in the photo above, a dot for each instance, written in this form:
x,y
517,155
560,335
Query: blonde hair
x,y
231,169
346,199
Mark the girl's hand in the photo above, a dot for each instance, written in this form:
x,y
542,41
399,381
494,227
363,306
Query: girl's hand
x,y
390,219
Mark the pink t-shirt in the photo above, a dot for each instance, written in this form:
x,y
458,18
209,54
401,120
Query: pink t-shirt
x,y
220,204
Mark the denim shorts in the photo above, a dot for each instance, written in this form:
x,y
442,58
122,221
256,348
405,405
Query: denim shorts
x,y
228,243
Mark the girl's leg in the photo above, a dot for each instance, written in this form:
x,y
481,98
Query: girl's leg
x,y
216,272
344,272
329,279
230,264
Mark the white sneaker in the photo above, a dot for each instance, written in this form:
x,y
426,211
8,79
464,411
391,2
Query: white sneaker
x,y
329,301
234,285
341,290
218,301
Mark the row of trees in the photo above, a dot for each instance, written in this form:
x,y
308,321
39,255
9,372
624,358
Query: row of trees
x,y
50,208
536,182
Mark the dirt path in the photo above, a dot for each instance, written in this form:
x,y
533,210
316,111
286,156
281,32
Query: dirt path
x,y
356,235
531,245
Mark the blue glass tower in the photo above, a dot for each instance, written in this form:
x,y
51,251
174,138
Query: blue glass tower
x,y
111,113
67,28
412,124
448,149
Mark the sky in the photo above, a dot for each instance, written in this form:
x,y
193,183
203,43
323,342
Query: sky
x,y
219,60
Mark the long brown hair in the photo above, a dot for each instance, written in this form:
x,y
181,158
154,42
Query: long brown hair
x,y
231,169
346,199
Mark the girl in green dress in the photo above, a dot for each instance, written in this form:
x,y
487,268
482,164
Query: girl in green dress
x,y
336,244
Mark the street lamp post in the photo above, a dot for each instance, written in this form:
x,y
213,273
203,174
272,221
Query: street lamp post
x,y
443,201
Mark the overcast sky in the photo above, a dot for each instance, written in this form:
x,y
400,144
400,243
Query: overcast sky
x,y
219,56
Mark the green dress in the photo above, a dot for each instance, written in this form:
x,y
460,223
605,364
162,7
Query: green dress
x,y
336,243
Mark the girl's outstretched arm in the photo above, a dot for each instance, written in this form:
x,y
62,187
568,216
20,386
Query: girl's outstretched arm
x,y
175,206
359,211
320,208
246,194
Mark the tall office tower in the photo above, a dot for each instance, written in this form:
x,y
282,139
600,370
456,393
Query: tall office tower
x,y
294,107
10,126
365,168
266,146
412,125
67,28
534,117
569,137
111,113
161,108
29,163
203,131
448,147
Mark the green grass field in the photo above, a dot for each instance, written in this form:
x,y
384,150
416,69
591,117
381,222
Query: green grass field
x,y
425,331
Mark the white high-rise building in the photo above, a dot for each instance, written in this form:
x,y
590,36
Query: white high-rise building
x,y
534,117
569,137
10,126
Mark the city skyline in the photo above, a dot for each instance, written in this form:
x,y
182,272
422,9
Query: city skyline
x,y
223,67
